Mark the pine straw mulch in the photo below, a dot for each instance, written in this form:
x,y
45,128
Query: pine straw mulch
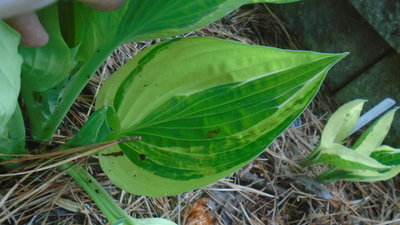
x,y
272,189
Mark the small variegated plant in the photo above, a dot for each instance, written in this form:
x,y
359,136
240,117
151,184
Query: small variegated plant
x,y
367,159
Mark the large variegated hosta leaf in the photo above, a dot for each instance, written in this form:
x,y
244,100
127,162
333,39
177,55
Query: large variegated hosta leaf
x,y
203,107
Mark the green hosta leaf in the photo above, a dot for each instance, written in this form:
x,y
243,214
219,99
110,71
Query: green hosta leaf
x,y
373,137
139,20
92,36
12,129
358,175
366,161
273,1
10,72
204,107
341,123
102,125
47,66
340,156
387,155
153,221
12,140
148,221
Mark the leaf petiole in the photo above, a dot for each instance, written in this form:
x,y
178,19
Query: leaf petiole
x,y
103,200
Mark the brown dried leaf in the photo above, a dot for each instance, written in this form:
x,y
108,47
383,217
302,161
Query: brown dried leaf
x,y
197,214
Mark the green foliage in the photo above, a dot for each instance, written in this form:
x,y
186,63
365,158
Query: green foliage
x,y
342,123
367,160
103,125
49,65
12,140
202,115
203,107
372,138
153,221
12,129
82,38
10,71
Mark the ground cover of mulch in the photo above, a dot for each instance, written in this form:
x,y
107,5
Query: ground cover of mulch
x,y
272,189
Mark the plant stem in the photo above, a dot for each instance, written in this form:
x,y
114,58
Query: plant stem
x,y
43,127
310,159
103,200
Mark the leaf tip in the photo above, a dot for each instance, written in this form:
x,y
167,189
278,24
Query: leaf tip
x,y
341,56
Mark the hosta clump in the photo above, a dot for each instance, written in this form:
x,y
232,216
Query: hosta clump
x,y
200,114
203,107
367,159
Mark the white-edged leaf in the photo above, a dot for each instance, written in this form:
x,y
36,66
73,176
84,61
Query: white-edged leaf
x,y
387,155
204,107
339,155
358,175
341,123
373,137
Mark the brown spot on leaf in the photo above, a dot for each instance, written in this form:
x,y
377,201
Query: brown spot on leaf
x,y
142,157
214,132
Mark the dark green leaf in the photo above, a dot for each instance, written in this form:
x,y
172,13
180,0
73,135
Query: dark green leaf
x,y
387,155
